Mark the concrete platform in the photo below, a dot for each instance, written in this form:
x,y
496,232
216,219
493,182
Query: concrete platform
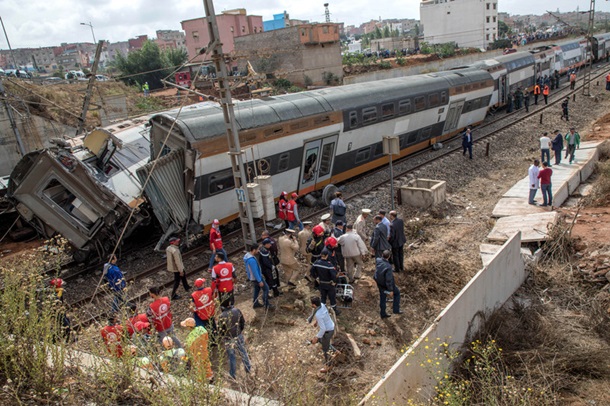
x,y
533,227
488,251
566,180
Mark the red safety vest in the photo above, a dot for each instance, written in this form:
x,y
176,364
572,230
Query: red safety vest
x,y
536,89
112,336
545,91
215,239
222,277
204,303
573,77
162,315
290,210
281,209
608,78
132,322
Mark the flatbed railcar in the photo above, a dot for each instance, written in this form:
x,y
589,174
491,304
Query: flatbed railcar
x,y
306,140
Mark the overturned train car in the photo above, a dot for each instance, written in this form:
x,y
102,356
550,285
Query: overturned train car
x,y
85,188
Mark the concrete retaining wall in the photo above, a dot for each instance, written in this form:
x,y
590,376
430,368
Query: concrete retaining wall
x,y
423,192
485,292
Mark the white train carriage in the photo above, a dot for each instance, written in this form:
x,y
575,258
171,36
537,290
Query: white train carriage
x,y
305,140
600,46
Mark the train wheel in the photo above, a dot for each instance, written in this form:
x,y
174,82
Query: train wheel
x,y
329,193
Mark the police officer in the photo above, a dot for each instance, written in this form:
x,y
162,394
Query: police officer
x,y
325,276
268,268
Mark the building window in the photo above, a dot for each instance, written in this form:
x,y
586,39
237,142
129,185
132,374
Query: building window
x,y
302,32
487,6
494,19
487,19
487,37
325,29
494,5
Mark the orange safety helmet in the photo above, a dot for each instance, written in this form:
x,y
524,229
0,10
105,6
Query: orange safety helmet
x,y
318,230
331,242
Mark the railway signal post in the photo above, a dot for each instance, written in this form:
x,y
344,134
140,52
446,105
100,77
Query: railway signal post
x,y
235,151
391,146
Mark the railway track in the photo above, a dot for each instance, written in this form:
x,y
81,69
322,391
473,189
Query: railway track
x,y
92,309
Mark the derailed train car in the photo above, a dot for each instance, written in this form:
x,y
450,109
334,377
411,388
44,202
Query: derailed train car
x,y
305,141
85,187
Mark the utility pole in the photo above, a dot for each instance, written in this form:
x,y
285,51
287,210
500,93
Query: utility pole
x,y
89,92
9,45
11,119
235,152
586,79
327,12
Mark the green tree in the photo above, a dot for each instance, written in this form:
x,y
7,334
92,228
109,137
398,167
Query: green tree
x,y
503,29
377,34
148,64
396,33
386,32
176,57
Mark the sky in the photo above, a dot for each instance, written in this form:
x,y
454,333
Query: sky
x,y
37,23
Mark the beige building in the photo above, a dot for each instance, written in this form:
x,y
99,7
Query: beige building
x,y
468,23
308,54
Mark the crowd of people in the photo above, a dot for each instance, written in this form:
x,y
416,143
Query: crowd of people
x,y
330,255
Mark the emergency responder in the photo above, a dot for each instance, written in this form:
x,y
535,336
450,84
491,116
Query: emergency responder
x,y
196,345
113,336
608,81
360,224
289,246
332,245
338,232
315,244
545,93
326,224
176,266
281,209
268,268
116,283
216,243
292,213
536,93
572,80
303,237
325,276
159,312
173,359
273,250
134,319
203,306
64,325
223,276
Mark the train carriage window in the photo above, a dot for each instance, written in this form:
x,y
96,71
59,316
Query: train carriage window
x,y
311,162
369,115
425,133
387,110
404,107
476,104
378,150
363,155
328,152
353,119
443,97
283,162
412,138
78,210
221,181
420,103
433,100
468,106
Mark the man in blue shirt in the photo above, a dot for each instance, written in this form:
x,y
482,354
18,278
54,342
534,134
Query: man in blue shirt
x,y
253,270
116,282
326,331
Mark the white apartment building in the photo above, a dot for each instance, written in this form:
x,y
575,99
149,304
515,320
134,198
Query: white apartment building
x,y
469,23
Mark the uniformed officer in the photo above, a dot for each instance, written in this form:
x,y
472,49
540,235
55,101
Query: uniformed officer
x,y
315,244
325,275
303,237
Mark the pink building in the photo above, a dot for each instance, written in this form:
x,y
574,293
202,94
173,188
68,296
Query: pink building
x,y
137,42
231,24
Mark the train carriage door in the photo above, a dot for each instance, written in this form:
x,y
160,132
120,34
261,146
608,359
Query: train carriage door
x,y
317,165
453,116
503,92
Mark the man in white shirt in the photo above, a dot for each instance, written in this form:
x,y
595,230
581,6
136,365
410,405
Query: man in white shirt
x,y
326,331
545,148
533,172
353,250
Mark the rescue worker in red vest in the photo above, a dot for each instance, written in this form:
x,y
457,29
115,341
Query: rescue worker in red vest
x,y
607,80
216,243
536,93
292,213
203,306
572,80
281,208
545,93
113,335
223,275
134,319
315,244
159,312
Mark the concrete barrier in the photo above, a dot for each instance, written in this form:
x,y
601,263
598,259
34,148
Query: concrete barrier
x,y
423,192
455,325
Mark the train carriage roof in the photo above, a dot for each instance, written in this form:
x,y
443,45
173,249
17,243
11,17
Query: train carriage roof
x,y
200,123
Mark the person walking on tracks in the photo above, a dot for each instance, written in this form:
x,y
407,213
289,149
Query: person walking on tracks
x,y
536,93
325,276
557,145
326,330
338,208
573,142
608,82
116,282
292,213
159,311
176,266
216,243
533,172
545,184
467,142
572,80
526,100
384,277
564,109
223,276
545,93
